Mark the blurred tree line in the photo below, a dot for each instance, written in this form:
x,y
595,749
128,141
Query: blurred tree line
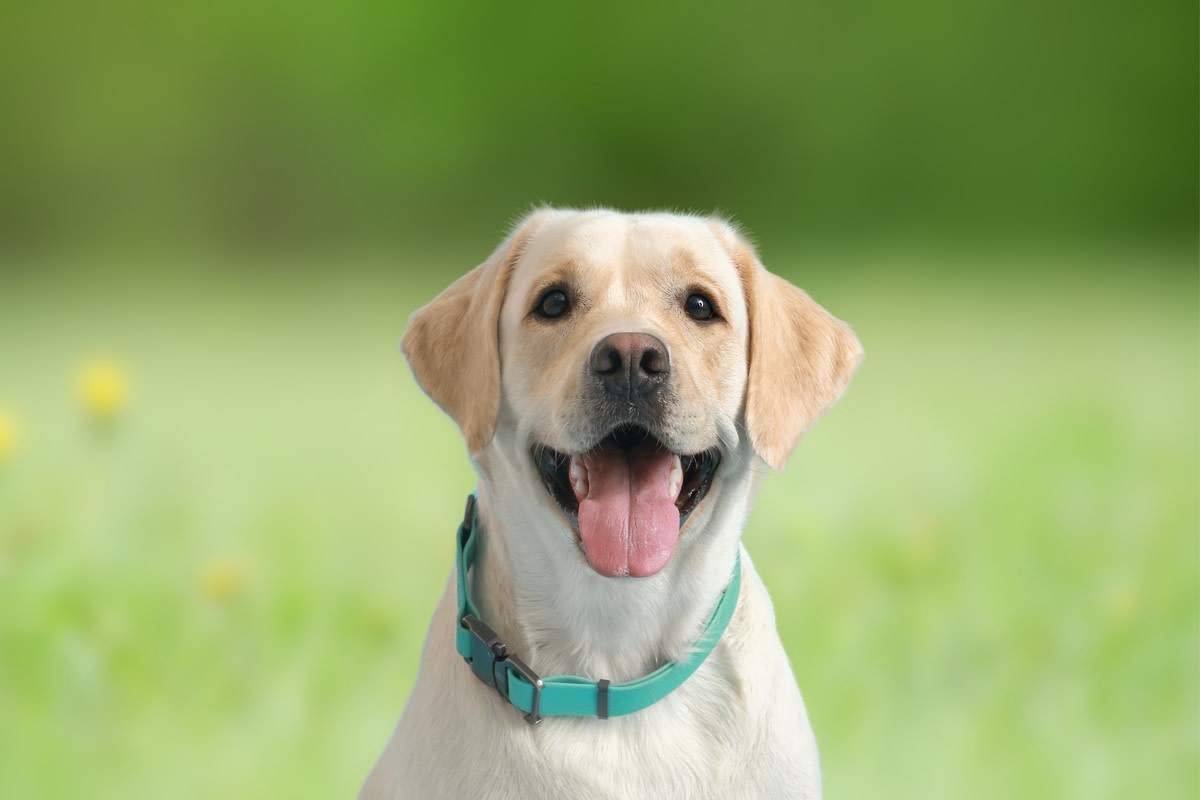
x,y
233,124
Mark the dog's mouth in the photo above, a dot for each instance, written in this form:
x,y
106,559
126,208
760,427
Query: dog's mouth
x,y
627,496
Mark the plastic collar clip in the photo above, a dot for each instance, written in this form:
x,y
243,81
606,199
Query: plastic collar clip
x,y
493,664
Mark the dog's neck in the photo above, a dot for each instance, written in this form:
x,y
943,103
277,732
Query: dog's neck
x,y
533,585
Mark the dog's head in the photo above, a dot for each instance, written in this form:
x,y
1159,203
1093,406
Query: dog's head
x,y
627,365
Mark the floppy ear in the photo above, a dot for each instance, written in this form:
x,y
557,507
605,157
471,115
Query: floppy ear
x,y
453,345
801,357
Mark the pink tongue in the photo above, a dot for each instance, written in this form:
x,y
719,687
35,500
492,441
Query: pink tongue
x,y
628,522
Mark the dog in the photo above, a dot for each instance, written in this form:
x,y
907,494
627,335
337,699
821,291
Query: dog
x,y
621,380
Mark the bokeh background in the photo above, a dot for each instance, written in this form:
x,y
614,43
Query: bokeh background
x,y
226,511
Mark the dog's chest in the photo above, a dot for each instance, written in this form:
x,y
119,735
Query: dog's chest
x,y
699,743
673,754
634,760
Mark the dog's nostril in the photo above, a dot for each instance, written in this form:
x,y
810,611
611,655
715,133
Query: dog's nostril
x,y
654,362
606,361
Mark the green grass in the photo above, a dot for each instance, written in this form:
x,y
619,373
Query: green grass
x,y
984,560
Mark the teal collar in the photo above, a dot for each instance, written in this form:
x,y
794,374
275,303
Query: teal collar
x,y
568,695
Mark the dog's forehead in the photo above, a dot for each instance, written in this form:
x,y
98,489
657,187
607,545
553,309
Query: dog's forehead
x,y
623,251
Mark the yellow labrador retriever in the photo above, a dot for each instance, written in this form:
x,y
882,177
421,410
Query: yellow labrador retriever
x,y
620,379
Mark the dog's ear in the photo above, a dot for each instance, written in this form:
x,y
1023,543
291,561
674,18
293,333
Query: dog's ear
x,y
453,344
801,357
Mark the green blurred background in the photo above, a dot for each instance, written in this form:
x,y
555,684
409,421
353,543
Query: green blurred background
x,y
226,511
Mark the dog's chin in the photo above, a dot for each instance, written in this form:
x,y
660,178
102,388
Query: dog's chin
x,y
627,497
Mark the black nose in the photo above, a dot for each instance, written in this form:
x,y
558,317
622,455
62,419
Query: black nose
x,y
630,365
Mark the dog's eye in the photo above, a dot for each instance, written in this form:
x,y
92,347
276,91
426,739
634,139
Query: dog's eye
x,y
699,307
553,304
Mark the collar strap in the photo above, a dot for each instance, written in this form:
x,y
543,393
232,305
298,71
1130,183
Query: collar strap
x,y
568,695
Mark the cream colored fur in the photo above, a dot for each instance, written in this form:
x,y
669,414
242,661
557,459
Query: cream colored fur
x,y
748,385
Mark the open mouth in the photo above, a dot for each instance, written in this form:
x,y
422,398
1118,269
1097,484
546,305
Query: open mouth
x,y
628,497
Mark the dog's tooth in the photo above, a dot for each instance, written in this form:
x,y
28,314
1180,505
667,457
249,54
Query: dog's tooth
x,y
676,478
579,481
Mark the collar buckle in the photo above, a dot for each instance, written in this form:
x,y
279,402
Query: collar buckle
x,y
494,665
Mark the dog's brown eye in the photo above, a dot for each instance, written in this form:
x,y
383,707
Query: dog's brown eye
x,y
699,307
553,304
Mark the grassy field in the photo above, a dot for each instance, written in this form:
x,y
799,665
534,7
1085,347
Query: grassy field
x,y
984,560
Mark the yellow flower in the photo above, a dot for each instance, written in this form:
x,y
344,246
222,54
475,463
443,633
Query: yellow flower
x,y
103,389
221,580
8,435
